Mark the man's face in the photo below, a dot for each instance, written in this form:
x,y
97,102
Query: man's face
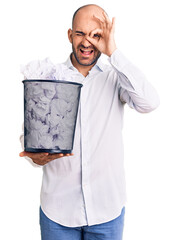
x,y
84,52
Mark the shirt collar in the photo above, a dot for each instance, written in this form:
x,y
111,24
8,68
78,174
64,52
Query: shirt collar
x,y
99,65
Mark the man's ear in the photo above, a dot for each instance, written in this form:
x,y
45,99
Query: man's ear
x,y
70,35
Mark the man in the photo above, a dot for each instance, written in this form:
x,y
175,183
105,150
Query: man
x,y
83,195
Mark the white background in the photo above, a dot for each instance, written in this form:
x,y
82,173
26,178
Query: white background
x,y
147,33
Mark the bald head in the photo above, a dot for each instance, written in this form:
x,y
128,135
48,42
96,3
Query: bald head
x,y
90,8
86,19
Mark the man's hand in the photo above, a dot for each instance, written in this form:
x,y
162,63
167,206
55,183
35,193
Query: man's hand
x,y
103,38
43,158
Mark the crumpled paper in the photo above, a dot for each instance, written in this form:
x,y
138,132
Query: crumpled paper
x,y
40,69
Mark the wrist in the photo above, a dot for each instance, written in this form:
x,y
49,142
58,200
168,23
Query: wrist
x,y
110,52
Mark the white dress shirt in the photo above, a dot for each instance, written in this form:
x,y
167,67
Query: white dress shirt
x,y
89,187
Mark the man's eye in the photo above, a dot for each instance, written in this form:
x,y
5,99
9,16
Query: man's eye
x,y
96,36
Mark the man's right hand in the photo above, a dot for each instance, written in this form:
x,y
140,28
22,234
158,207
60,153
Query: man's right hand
x,y
43,158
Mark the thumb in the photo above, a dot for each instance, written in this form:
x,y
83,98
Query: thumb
x,y
21,154
113,24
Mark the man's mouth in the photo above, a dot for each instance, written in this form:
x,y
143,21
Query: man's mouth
x,y
86,52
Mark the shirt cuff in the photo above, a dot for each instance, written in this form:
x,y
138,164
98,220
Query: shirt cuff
x,y
118,60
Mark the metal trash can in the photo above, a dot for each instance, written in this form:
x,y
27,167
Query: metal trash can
x,y
50,113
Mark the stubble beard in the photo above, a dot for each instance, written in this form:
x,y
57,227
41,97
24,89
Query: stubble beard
x,y
83,64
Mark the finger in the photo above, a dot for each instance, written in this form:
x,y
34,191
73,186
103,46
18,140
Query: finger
x,y
95,36
92,41
107,20
31,155
21,154
54,156
58,155
113,23
69,154
96,33
106,16
24,154
100,21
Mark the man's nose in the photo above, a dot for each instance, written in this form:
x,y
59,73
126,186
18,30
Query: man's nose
x,y
85,43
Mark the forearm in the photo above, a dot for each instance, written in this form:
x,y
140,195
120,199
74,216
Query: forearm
x,y
134,88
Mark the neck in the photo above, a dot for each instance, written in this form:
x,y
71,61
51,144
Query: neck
x,y
84,70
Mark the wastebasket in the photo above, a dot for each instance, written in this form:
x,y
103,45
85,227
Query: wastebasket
x,y
50,113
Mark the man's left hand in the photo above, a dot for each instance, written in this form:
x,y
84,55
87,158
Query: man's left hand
x,y
103,38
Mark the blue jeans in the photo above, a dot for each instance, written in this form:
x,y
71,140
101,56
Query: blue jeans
x,y
111,230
